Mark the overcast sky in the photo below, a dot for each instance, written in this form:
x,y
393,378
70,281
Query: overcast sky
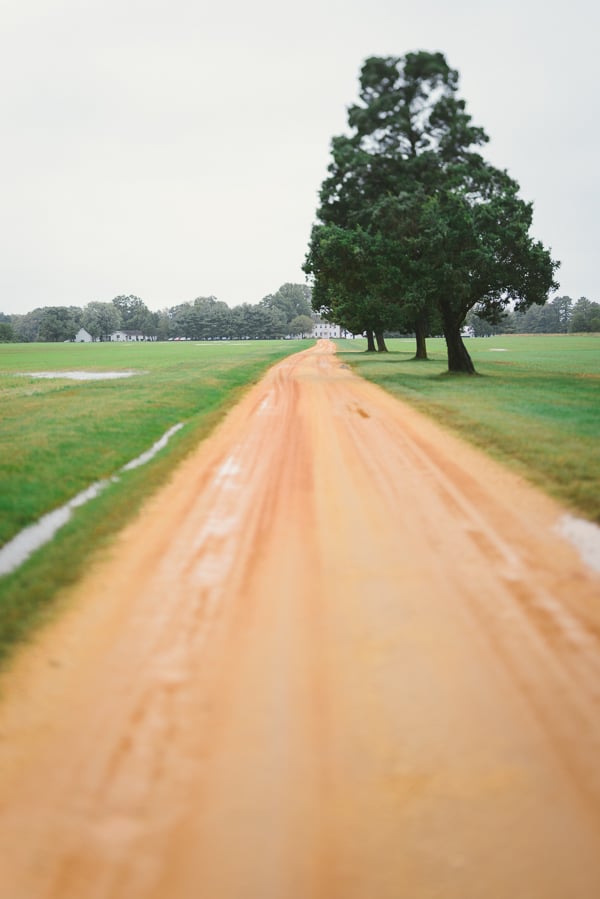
x,y
174,149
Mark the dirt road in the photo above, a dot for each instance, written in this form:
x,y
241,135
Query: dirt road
x,y
341,656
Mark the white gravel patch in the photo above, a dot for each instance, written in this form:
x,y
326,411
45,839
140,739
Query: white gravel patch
x,y
585,537
34,536
81,375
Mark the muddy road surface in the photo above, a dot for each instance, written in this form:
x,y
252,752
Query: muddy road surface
x,y
342,655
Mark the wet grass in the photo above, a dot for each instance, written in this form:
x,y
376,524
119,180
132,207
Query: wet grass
x,y
58,436
534,405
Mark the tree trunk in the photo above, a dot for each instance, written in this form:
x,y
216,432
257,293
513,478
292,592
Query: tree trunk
x,y
458,355
370,341
381,347
421,334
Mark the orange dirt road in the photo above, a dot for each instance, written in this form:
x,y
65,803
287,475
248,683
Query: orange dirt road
x,y
342,655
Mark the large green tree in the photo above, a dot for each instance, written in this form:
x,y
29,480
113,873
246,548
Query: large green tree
x,y
27,326
448,231
552,318
288,302
586,316
7,334
257,322
378,181
478,255
344,263
134,315
301,326
101,319
59,323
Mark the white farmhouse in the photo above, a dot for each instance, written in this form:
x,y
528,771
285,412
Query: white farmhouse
x,y
123,336
83,336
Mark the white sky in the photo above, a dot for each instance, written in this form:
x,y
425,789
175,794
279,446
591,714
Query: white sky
x,y
174,149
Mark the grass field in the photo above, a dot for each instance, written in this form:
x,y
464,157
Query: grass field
x,y
59,436
535,404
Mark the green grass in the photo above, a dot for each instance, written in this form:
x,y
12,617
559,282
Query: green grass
x,y
535,403
59,436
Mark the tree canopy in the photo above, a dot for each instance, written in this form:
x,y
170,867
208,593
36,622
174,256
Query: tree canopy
x,y
585,316
101,319
414,227
288,302
134,315
301,326
7,334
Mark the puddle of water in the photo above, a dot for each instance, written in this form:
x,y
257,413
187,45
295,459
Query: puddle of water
x,y
17,550
585,537
81,375
34,536
154,449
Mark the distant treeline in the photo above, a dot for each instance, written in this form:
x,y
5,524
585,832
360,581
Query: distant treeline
x,y
283,313
560,315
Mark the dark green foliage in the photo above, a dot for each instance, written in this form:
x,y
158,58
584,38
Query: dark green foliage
x,y
7,333
585,316
290,301
101,319
134,315
26,327
50,324
343,262
301,326
205,318
416,229
559,316
58,323
209,319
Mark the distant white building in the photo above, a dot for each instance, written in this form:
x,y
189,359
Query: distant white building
x,y
83,336
328,330
122,336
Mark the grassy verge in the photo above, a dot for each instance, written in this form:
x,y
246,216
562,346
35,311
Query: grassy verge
x,y
58,436
535,404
